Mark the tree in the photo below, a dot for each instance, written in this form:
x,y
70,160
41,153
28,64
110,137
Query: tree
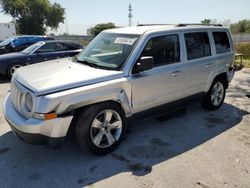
x,y
100,27
243,26
34,16
206,21
226,23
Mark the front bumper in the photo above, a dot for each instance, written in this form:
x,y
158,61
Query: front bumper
x,y
35,131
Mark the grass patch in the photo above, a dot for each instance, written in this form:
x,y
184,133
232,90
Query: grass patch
x,y
245,62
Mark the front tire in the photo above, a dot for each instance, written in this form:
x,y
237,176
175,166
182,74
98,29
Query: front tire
x,y
100,128
12,68
216,95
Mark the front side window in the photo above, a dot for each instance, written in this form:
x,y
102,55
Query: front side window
x,y
164,49
109,50
32,48
221,42
197,45
50,47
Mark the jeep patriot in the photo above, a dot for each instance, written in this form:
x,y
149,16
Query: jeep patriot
x,y
122,74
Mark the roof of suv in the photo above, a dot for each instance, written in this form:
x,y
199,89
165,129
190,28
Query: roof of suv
x,y
151,28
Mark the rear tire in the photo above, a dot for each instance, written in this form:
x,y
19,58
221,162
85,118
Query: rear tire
x,y
100,128
216,95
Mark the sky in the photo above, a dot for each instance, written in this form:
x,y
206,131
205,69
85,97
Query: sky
x,y
81,14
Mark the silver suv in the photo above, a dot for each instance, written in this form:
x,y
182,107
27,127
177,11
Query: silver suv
x,y
123,73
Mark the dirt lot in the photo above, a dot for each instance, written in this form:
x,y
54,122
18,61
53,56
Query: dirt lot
x,y
195,149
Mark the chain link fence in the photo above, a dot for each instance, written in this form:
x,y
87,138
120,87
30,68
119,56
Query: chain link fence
x,y
83,40
241,38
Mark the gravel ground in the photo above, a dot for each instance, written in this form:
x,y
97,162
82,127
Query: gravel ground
x,y
197,148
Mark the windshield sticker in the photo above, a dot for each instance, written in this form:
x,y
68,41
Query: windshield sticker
x,y
127,41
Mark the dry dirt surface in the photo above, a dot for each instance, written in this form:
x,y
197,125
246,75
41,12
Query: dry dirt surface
x,y
197,148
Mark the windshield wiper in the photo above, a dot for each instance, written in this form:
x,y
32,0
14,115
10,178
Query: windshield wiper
x,y
87,63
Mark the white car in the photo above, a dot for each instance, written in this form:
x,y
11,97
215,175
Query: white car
x,y
122,74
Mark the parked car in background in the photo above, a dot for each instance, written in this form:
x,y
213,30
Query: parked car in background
x,y
38,52
19,43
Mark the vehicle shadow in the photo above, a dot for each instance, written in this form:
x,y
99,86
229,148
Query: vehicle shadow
x,y
149,142
4,79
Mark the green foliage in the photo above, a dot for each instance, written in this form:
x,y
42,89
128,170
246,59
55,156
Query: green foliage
x,y
206,21
100,27
243,48
242,26
33,16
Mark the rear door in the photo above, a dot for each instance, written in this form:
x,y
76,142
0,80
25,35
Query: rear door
x,y
199,62
163,83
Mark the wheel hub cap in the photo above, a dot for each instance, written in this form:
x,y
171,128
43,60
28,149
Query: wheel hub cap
x,y
217,94
106,128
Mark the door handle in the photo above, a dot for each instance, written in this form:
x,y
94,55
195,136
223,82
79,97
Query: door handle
x,y
45,59
175,73
208,65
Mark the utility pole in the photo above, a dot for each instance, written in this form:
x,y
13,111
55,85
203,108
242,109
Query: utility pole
x,y
66,23
130,16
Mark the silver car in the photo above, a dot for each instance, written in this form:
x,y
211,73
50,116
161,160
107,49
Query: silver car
x,y
123,73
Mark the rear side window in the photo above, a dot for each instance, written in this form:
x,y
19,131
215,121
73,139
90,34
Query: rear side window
x,y
71,46
221,42
197,45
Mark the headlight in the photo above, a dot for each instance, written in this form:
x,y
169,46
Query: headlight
x,y
28,102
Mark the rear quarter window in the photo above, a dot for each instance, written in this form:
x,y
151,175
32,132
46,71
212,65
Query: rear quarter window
x,y
221,41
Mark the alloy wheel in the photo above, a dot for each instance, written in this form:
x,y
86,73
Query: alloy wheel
x,y
106,128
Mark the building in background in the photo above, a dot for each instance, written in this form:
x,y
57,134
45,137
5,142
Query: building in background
x,y
7,30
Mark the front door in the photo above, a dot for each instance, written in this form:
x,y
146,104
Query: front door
x,y
164,82
49,51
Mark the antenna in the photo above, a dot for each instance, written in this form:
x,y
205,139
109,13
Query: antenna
x,y
130,16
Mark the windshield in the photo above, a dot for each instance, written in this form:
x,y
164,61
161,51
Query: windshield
x,y
7,41
109,50
32,48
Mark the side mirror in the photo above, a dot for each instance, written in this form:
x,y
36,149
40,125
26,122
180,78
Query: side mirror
x,y
146,63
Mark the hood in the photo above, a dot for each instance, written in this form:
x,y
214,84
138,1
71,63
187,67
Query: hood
x,y
10,56
59,75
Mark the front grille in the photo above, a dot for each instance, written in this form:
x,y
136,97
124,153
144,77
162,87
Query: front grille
x,y
16,96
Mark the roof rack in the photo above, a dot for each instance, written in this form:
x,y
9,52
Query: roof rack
x,y
183,25
152,24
